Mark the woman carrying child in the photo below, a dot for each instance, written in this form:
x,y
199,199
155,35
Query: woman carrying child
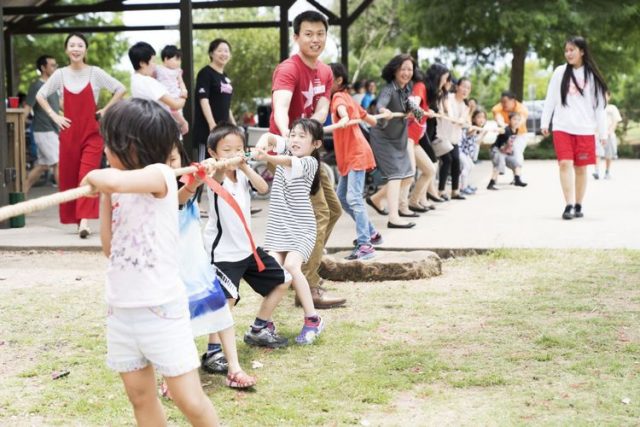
x,y
170,75
148,321
354,158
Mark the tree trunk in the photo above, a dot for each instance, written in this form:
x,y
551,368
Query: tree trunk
x,y
517,69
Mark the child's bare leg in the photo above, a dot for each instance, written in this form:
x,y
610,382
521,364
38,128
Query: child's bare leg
x,y
293,264
141,390
271,301
188,395
215,338
227,338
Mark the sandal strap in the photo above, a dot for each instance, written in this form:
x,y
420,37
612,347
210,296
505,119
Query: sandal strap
x,y
240,378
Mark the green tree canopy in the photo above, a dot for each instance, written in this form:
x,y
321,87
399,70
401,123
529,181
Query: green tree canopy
x,y
490,29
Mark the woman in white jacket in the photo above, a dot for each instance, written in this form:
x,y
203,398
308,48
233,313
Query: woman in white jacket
x,y
575,99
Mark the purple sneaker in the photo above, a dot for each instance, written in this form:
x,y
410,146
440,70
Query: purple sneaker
x,y
376,239
272,327
310,331
362,252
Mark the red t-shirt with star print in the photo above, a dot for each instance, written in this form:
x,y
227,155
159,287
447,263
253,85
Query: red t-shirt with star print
x,y
307,84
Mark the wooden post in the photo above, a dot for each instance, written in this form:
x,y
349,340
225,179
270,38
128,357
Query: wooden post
x,y
4,143
8,57
284,30
186,45
344,33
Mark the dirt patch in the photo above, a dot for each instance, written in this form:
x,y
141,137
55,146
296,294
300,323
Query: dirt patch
x,y
435,406
51,268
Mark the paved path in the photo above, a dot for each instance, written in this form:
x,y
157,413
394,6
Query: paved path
x,y
512,217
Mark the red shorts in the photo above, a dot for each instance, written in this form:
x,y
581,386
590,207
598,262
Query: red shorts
x,y
579,148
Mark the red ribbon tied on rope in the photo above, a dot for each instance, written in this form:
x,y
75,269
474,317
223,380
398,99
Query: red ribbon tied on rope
x,y
227,197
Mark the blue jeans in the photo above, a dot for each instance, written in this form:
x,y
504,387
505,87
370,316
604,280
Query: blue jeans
x,y
350,191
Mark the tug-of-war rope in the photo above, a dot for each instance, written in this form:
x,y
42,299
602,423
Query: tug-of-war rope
x,y
44,202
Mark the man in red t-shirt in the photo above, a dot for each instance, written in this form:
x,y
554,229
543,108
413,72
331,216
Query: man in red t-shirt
x,y
301,87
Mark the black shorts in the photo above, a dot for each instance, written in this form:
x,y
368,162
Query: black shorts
x,y
263,282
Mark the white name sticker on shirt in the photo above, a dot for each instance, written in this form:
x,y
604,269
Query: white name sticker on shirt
x,y
319,89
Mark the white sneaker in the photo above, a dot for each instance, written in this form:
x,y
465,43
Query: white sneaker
x,y
607,175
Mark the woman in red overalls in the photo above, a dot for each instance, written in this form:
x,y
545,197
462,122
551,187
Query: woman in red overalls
x,y
80,141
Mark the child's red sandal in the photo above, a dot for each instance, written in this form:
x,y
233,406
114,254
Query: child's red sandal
x,y
240,380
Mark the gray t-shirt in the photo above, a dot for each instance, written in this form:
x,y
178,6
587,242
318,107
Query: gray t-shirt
x,y
41,120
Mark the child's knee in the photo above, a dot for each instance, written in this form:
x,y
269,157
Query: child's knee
x,y
192,404
141,397
284,286
292,267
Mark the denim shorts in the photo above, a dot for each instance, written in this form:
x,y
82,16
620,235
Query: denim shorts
x,y
159,335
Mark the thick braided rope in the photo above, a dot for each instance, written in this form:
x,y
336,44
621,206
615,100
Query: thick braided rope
x,y
334,126
44,202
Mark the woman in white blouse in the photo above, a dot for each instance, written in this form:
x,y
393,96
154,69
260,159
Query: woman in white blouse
x,y
81,144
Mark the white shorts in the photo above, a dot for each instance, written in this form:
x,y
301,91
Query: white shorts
x,y
159,335
48,144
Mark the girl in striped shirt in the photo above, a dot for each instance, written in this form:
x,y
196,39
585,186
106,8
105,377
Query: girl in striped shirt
x,y
291,227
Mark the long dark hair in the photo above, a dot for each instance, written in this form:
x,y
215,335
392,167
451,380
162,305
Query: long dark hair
x,y
314,129
340,70
590,68
418,76
434,93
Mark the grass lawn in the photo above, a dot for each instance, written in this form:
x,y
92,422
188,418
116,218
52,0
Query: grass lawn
x,y
539,337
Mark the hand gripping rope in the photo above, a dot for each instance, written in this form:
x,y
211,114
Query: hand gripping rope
x,y
44,202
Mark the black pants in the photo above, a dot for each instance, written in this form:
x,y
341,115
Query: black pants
x,y
450,162
424,143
